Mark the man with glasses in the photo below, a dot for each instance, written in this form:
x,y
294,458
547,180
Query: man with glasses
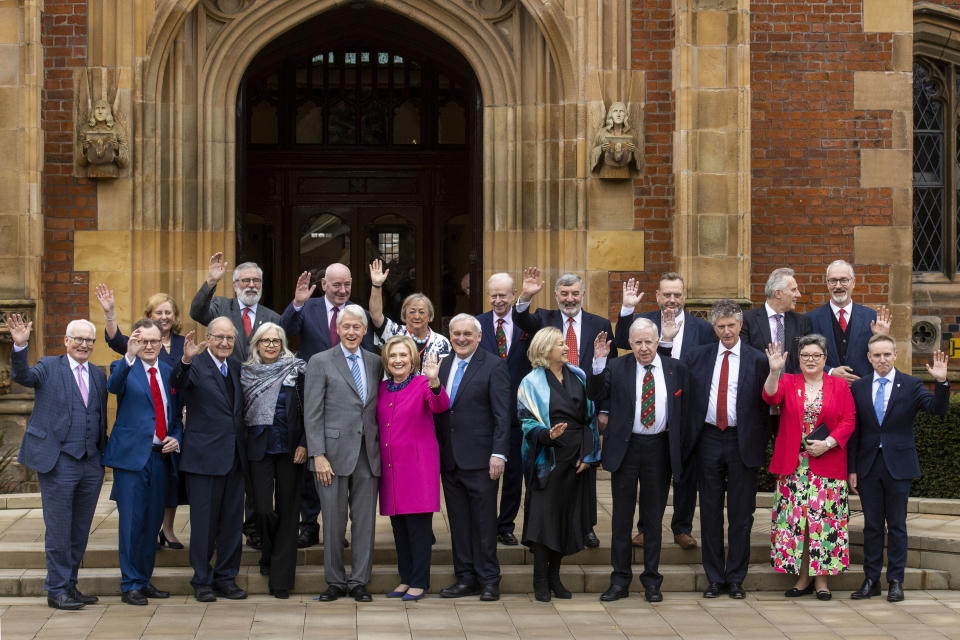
x,y
63,443
847,326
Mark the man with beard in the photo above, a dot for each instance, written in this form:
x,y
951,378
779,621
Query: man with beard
x,y
579,329
847,326
245,310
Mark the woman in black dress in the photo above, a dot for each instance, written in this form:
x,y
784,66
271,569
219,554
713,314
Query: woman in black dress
x,y
560,440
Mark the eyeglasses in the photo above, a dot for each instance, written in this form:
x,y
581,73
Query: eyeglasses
x,y
217,338
270,342
150,343
811,357
839,281
248,281
88,341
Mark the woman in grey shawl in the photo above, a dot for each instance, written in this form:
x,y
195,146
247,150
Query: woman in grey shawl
x,y
272,381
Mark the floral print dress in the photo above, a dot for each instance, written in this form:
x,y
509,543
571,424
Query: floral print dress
x,y
803,499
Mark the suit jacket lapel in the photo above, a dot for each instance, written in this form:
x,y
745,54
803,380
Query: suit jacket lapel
x,y
370,369
894,396
215,372
340,364
472,367
632,390
764,327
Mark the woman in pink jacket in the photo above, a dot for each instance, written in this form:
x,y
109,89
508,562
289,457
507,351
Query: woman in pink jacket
x,y
410,459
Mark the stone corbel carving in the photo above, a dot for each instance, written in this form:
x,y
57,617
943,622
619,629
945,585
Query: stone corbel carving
x,y
103,149
617,151
493,10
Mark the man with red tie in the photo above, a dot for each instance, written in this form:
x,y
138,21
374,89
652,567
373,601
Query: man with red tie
x,y
146,432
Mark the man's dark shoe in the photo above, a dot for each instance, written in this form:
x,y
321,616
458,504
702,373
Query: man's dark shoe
x,y
460,590
134,596
652,594
895,591
868,589
332,593
204,594
614,592
713,590
360,594
280,594
507,538
254,541
591,540
151,591
229,590
490,593
307,539
64,601
76,595
736,591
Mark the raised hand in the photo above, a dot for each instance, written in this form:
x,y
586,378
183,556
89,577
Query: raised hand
x,y
939,368
776,357
191,348
105,297
304,290
557,430
601,346
431,367
377,275
883,322
19,330
669,327
218,266
631,293
135,345
531,284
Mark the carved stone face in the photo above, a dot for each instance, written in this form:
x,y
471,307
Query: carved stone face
x,y
618,113
101,110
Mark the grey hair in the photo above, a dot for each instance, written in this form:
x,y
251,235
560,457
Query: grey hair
x,y
777,281
73,324
644,323
225,319
725,308
840,263
465,316
812,338
246,265
502,276
568,279
254,357
354,310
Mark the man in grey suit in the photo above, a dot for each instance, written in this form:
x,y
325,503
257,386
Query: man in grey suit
x,y
65,437
340,419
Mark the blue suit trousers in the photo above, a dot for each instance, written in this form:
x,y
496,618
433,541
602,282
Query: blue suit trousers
x,y
140,497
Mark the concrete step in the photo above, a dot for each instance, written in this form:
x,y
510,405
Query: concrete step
x,y
516,579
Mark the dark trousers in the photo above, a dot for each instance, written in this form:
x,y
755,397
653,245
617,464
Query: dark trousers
x,y
413,537
471,499
309,506
647,463
684,501
140,497
884,501
216,518
722,475
68,493
511,483
276,481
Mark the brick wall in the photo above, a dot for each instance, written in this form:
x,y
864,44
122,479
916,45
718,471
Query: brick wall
x,y
69,203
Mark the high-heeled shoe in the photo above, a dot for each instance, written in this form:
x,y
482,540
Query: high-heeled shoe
x,y
163,541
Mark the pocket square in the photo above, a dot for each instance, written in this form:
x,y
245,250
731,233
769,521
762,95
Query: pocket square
x,y
679,391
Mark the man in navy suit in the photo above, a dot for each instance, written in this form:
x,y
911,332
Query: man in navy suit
x,y
777,319
579,329
882,457
63,443
147,431
647,437
727,409
679,332
474,436
213,458
847,326
504,339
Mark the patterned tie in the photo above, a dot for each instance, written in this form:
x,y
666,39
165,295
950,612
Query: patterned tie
x,y
247,326
501,340
842,320
161,417
878,399
223,369
83,385
357,376
334,337
457,377
722,391
572,356
779,318
648,398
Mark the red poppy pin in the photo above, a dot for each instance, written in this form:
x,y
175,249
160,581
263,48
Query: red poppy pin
x,y
679,391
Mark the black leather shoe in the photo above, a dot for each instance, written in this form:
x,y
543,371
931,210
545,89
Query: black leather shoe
x,y
736,591
793,592
254,541
591,540
134,596
360,594
305,540
490,593
823,595
332,593
713,590
652,594
868,589
204,594
460,590
507,538
64,601
230,591
614,592
895,591
76,595
280,594
151,591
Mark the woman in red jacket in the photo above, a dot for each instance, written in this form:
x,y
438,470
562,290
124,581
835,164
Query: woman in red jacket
x,y
810,512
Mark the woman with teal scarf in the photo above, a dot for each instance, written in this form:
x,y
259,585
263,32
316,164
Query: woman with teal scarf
x,y
560,440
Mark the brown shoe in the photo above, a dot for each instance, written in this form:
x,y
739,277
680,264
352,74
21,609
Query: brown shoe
x,y
685,540
638,540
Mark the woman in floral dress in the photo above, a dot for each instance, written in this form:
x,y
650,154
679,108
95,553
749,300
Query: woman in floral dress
x,y
810,511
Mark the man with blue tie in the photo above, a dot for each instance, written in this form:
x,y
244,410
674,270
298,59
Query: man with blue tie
x,y
882,457
146,432
63,442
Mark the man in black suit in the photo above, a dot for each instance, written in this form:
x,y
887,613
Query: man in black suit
x,y
730,414
579,329
882,457
679,332
213,457
504,339
648,435
474,442
776,321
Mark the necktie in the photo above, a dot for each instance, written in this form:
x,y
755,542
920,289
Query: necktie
x,y
357,376
648,399
334,337
247,327
457,377
842,320
722,391
878,399
161,417
82,384
501,339
572,356
223,369
779,318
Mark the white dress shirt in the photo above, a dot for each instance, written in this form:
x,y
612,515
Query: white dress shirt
x,y
772,319
847,310
733,374
84,372
887,388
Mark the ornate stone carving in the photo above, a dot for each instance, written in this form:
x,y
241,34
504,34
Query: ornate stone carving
x,y
617,144
227,9
494,10
103,148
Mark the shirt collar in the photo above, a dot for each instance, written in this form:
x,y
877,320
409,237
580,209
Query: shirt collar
x,y
467,359
848,309
656,363
346,352
216,360
330,306
146,367
735,350
252,307
889,376
74,364
770,311
576,319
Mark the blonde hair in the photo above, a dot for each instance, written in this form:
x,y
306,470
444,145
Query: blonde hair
x,y
541,345
410,299
158,299
406,341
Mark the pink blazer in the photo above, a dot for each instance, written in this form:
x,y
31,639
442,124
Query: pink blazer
x,y
409,453
838,414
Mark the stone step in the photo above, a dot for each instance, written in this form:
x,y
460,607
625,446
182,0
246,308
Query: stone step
x,y
516,579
